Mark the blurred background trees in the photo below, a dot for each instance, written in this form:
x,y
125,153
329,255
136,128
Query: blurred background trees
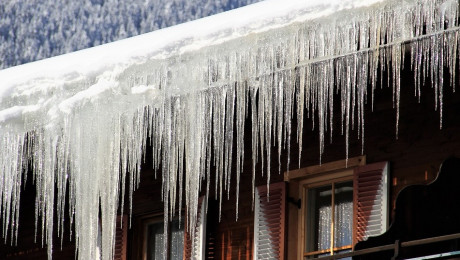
x,y
34,30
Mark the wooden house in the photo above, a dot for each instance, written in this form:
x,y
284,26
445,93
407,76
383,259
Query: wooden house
x,y
341,190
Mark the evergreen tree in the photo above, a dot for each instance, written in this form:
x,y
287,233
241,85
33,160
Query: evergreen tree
x,y
34,30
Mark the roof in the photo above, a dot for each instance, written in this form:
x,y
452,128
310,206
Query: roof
x,y
115,63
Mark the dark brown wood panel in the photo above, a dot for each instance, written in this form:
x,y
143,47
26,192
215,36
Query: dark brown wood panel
x,y
415,156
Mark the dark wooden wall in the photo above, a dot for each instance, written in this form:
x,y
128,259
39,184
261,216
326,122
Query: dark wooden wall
x,y
27,247
415,157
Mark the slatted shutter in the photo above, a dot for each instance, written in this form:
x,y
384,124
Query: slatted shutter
x,y
194,243
211,246
269,222
370,199
121,238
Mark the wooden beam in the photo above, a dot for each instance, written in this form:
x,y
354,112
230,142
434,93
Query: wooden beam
x,y
325,168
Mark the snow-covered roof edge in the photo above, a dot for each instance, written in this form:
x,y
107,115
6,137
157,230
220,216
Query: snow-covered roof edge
x,y
178,39
22,85
78,115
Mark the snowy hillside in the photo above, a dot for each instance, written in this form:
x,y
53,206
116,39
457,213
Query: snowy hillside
x,y
34,30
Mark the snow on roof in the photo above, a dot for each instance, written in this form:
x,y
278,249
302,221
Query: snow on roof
x,y
84,117
41,78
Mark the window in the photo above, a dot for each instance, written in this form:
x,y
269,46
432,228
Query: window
x,y
340,203
149,238
329,218
154,239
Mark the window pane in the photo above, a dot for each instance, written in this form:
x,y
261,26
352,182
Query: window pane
x,y
343,217
343,252
155,241
177,240
319,218
155,238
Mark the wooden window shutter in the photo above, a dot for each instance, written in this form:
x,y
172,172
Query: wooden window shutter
x,y
370,200
121,238
194,243
269,222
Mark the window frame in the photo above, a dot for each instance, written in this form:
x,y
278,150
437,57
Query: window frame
x,y
306,185
316,175
140,233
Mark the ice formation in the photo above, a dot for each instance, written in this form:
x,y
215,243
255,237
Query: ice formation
x,y
84,119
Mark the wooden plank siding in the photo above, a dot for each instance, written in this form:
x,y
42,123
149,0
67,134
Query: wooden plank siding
x,y
414,156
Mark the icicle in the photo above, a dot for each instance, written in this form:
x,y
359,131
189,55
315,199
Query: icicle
x,y
192,105
241,103
254,137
